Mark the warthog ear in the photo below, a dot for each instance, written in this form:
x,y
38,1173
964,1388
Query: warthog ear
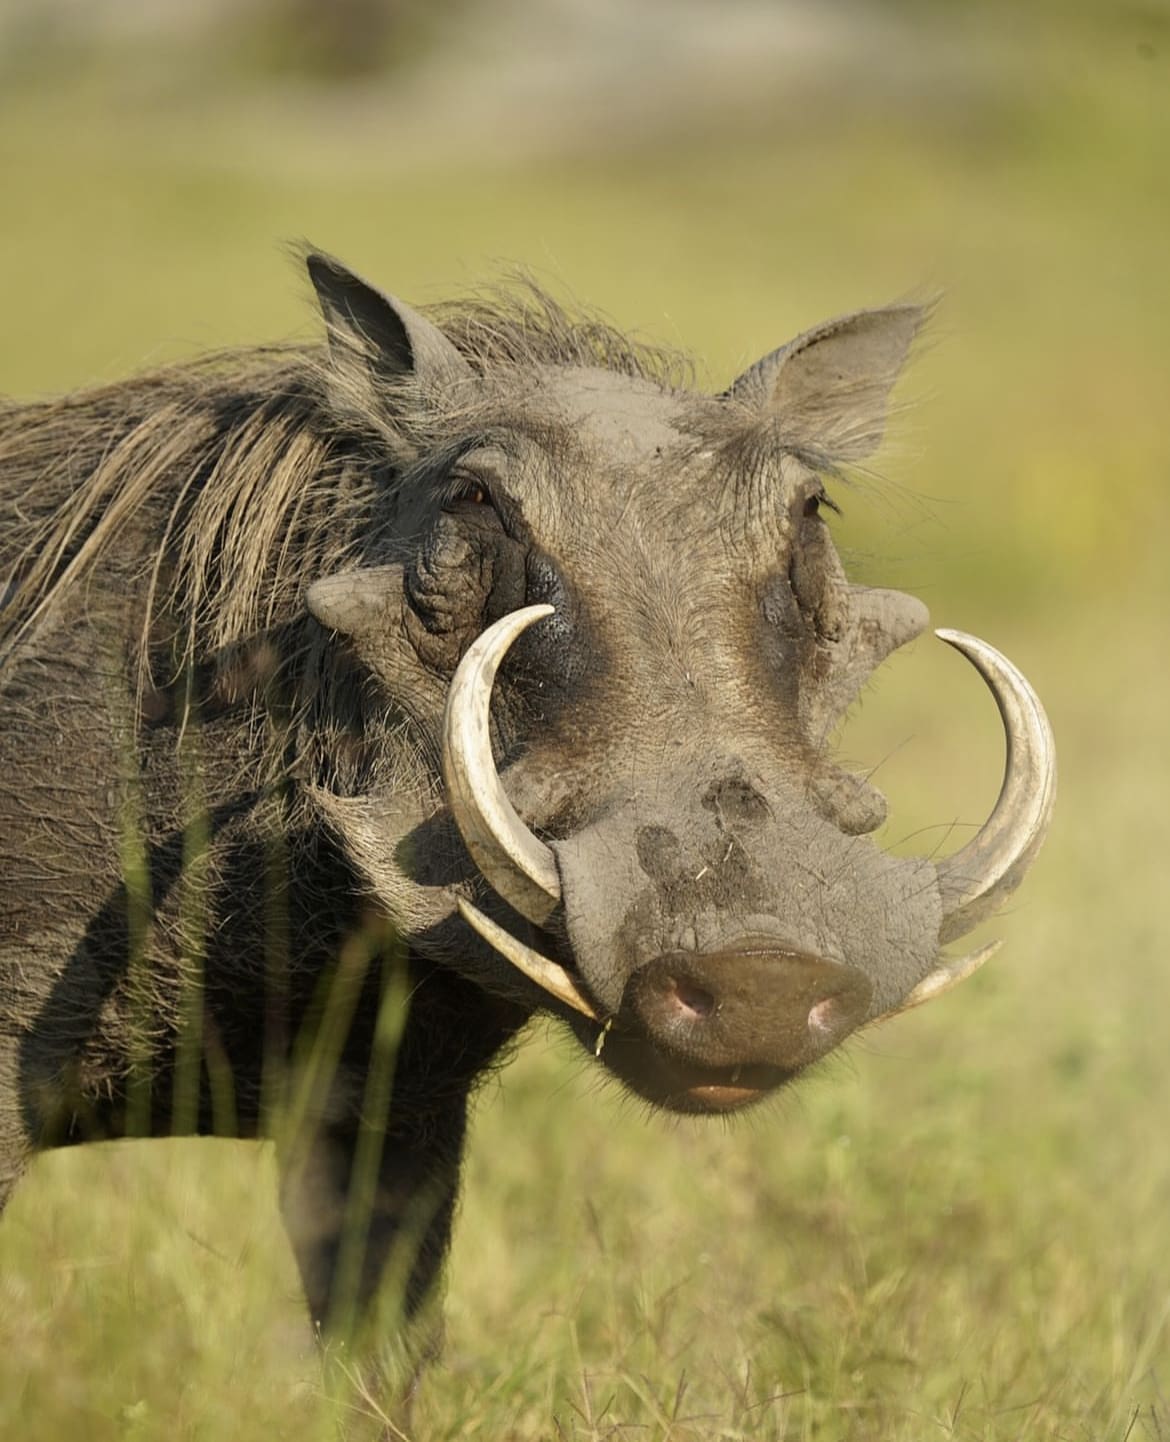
x,y
830,387
375,329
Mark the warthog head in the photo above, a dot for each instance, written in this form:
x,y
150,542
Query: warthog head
x,y
619,632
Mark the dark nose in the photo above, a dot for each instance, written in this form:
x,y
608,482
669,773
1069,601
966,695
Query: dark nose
x,y
754,1004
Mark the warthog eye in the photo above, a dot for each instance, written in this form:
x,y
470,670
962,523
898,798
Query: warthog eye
x,y
476,478
474,493
467,490
817,499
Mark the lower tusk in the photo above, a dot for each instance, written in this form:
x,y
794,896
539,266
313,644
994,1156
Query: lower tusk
x,y
548,975
949,974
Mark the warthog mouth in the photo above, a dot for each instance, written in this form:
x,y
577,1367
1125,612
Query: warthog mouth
x,y
642,1062
679,1085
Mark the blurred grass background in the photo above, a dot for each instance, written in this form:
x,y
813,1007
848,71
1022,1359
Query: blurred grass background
x,y
963,1228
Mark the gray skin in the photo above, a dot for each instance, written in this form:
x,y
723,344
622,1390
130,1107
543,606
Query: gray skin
x,y
666,731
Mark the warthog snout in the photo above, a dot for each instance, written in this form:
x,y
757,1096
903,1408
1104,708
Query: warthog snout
x,y
756,1004
713,1031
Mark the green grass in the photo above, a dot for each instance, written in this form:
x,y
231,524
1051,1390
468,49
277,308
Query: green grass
x,y
961,1229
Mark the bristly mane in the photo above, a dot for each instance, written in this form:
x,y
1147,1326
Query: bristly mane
x,y
223,485
521,324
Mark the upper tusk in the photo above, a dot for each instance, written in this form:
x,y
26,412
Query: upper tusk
x,y
547,974
976,880
516,864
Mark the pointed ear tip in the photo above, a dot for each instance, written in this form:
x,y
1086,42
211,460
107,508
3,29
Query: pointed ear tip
x,y
922,312
912,313
323,268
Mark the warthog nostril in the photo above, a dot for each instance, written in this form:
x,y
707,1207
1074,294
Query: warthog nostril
x,y
823,1017
691,1001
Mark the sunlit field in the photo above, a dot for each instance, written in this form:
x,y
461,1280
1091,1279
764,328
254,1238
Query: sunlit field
x,y
960,1228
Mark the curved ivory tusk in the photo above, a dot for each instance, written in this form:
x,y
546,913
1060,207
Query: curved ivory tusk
x,y
948,973
975,881
547,974
515,863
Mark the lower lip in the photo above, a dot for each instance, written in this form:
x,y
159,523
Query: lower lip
x,y
722,1098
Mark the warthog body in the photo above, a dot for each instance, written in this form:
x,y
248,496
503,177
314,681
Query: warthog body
x,y
247,803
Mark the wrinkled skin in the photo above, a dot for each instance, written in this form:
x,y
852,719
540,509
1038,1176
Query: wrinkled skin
x,y
665,731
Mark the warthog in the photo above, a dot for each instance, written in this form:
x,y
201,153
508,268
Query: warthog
x,y
361,700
